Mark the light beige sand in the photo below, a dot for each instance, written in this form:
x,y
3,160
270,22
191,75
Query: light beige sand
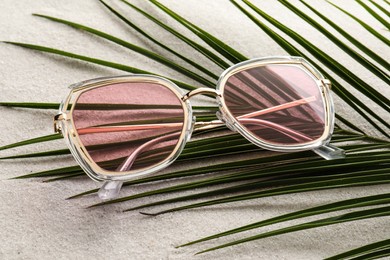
x,y
36,222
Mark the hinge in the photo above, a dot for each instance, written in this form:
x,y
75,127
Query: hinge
x,y
327,83
57,125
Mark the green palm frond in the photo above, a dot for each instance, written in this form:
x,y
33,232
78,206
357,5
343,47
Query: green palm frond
x,y
350,38
332,64
381,199
375,14
158,43
365,25
206,52
219,46
130,46
40,139
353,216
359,58
372,251
32,105
97,61
383,10
267,174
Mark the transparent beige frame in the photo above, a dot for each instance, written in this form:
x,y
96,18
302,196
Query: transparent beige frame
x,y
323,84
63,122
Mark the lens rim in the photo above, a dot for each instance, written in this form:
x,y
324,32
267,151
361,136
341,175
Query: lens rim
x,y
323,85
80,152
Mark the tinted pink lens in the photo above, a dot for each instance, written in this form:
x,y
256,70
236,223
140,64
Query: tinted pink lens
x,y
280,104
128,126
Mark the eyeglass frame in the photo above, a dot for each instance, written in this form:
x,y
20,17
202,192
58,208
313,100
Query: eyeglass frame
x,y
64,123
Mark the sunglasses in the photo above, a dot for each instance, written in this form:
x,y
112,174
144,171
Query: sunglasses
x,y
119,128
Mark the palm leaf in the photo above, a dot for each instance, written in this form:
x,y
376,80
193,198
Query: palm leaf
x,y
38,154
130,46
96,61
386,12
359,58
353,216
313,184
340,205
41,139
371,251
342,71
40,105
157,42
221,47
349,98
54,172
314,166
207,53
374,14
365,25
349,37
32,105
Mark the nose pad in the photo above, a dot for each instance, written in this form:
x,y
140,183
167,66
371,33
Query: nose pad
x,y
226,121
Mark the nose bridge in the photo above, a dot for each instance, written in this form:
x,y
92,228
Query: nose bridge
x,y
201,91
